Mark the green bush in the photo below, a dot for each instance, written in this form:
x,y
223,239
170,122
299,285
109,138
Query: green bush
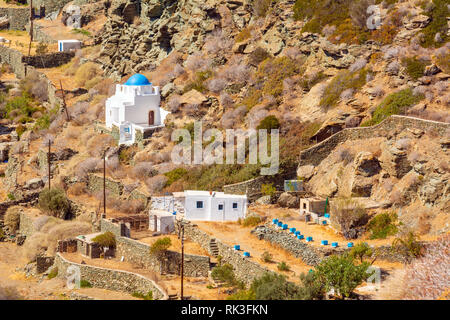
x,y
107,239
273,286
148,296
383,225
361,251
20,129
267,257
311,288
258,56
85,284
198,83
224,273
53,273
175,175
408,244
22,105
268,189
395,103
242,295
283,266
160,246
341,274
341,82
269,123
54,202
414,67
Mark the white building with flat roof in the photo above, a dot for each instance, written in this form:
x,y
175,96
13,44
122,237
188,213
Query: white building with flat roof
x,y
134,107
69,45
197,205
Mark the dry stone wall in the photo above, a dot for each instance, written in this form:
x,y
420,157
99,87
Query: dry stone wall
x,y
18,17
110,279
388,127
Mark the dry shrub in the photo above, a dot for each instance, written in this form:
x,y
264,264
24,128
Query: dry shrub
x,y
403,144
345,155
196,62
174,103
156,184
232,117
39,222
218,42
12,218
216,85
427,277
349,216
77,189
87,166
144,170
396,197
237,72
358,65
388,185
226,100
34,246
358,12
105,87
97,144
64,230
73,132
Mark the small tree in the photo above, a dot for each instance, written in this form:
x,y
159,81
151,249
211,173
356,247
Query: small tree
x,y
362,250
268,189
341,274
267,257
160,247
311,288
54,202
408,244
224,273
272,286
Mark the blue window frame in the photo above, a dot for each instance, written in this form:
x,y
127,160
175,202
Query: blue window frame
x,y
199,204
235,205
220,206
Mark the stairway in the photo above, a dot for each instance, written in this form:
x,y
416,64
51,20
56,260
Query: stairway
x,y
213,248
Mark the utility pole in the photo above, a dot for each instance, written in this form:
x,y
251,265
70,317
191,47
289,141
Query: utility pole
x,y
31,26
49,163
182,260
104,184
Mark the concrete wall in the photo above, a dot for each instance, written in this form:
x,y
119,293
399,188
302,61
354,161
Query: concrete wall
x,y
18,17
110,279
388,127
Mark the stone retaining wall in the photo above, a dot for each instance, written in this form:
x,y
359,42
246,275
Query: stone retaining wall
x,y
111,279
18,17
95,183
26,225
50,60
388,127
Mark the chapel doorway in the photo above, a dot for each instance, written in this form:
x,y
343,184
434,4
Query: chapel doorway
x,y
151,118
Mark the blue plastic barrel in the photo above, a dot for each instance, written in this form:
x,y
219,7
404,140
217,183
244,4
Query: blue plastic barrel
x,y
324,242
280,224
237,247
292,230
174,213
334,244
327,215
247,254
300,237
324,222
297,233
309,239
350,245
275,221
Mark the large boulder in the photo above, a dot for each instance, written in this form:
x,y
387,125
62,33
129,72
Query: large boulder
x,y
394,160
366,164
288,201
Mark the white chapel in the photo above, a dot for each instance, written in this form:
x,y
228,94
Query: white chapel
x,y
135,107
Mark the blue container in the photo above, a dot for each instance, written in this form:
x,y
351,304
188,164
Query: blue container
x,y
300,237
324,242
275,221
327,215
309,239
297,233
350,245
292,230
324,222
280,224
174,213
285,226
247,254
334,244
237,247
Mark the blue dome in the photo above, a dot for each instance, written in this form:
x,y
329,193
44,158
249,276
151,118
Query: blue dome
x,y
137,80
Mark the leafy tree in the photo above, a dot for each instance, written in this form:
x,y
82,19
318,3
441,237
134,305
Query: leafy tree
x,y
160,247
107,239
269,123
341,274
268,189
408,243
224,273
361,251
311,288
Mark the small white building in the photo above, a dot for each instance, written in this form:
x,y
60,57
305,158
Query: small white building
x,y
203,205
69,45
135,107
161,221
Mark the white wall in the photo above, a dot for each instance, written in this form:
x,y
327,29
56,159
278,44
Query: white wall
x,y
211,212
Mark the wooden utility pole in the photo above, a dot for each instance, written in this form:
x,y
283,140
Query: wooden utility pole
x,y
31,26
182,260
49,163
64,100
104,184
